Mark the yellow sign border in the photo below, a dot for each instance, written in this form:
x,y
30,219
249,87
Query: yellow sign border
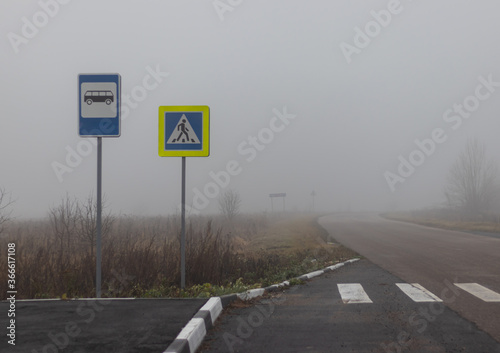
x,y
205,110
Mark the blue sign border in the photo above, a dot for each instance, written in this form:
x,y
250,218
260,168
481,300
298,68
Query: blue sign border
x,y
99,127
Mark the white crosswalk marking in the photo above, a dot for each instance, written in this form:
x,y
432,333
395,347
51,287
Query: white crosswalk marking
x,y
479,291
417,293
353,293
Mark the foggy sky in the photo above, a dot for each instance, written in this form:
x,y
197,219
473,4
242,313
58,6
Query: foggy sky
x,y
353,121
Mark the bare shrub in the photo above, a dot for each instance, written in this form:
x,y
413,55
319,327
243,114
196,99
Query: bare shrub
x,y
63,220
5,212
472,181
209,255
229,203
86,223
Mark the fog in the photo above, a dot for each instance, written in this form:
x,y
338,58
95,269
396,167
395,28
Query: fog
x,y
367,103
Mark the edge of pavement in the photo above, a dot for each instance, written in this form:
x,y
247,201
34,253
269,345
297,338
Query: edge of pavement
x,y
193,334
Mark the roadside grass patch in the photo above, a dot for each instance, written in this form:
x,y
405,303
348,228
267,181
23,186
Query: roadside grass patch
x,y
140,256
447,220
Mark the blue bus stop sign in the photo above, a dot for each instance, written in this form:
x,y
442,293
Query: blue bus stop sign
x,y
99,100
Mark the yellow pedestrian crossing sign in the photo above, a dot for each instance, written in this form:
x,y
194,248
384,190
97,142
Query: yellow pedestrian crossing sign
x,y
183,131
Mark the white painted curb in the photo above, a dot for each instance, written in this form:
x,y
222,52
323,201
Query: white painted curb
x,y
194,332
334,267
252,293
214,307
73,299
314,274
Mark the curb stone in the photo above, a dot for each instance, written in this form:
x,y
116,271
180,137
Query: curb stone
x,y
192,335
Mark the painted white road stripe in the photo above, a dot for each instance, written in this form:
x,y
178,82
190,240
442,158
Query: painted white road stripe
x,y
479,291
417,293
353,293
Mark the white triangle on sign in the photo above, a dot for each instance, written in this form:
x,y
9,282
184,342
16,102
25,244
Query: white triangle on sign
x,y
183,133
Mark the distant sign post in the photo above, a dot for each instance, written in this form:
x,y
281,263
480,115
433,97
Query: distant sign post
x,y
99,100
282,195
183,131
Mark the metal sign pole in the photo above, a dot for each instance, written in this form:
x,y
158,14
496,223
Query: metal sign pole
x,y
98,217
183,131
183,225
99,98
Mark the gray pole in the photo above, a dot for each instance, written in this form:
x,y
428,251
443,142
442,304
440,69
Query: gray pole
x,y
98,218
183,225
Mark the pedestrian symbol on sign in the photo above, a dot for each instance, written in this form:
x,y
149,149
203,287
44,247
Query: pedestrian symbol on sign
x,y
183,133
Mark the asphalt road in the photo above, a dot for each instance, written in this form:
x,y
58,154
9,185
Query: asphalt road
x,y
316,317
433,258
372,305
95,326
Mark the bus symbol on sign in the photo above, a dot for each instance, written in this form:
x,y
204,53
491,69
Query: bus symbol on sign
x,y
99,96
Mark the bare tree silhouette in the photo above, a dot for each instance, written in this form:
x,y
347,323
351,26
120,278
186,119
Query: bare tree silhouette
x,y
229,203
472,180
5,210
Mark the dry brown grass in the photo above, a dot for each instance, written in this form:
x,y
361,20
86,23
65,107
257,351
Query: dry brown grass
x,y
289,235
140,256
446,221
